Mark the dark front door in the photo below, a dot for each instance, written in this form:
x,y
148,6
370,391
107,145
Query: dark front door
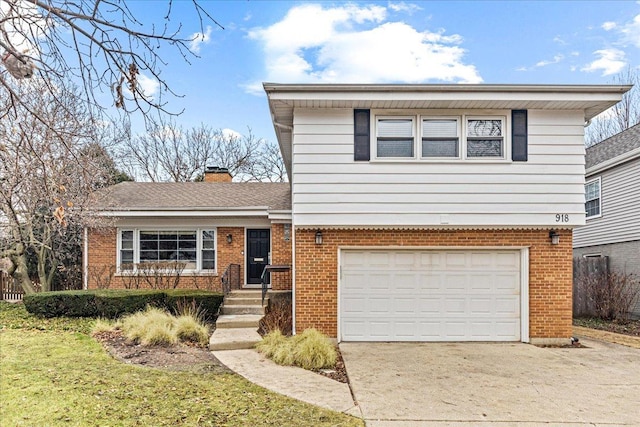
x,y
258,243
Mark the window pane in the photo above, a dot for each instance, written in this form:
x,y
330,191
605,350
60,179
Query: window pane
x,y
440,147
146,256
208,260
187,244
592,190
126,257
187,255
146,245
395,147
439,128
127,244
592,207
484,127
484,147
162,245
168,235
395,128
208,235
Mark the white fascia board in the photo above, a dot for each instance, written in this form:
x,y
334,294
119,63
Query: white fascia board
x,y
185,213
615,161
280,216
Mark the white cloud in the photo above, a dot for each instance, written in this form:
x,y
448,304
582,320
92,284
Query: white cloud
x,y
230,133
631,32
610,62
557,58
609,25
354,44
559,40
148,86
198,39
404,7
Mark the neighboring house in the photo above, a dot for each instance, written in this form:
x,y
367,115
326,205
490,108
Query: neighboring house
x,y
612,188
205,226
435,212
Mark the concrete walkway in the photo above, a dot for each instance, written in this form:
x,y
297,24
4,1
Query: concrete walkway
x,y
467,384
291,381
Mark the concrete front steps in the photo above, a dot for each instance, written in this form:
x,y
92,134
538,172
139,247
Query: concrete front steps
x,y
237,324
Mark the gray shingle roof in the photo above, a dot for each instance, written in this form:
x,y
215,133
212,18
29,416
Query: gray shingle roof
x,y
614,146
194,195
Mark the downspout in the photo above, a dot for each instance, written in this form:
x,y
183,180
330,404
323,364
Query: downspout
x,y
85,259
293,276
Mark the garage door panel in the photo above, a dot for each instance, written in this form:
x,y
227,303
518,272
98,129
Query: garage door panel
x,y
429,295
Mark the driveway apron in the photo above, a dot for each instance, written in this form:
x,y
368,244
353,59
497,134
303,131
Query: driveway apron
x,y
402,384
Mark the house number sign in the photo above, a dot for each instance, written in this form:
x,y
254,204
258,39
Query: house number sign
x,y
562,217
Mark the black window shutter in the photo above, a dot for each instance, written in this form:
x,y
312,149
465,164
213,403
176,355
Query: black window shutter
x,y
361,135
519,135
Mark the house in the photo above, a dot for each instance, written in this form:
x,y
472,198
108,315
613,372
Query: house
x,y
204,227
612,205
416,212
435,212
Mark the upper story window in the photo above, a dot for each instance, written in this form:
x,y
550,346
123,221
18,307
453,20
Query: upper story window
x,y
395,137
485,137
195,249
440,137
592,205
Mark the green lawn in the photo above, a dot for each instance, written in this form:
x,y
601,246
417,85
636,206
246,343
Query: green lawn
x,y
53,373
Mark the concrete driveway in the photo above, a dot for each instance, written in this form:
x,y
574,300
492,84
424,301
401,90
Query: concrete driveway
x,y
464,384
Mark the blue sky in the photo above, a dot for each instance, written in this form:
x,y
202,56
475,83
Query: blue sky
x,y
533,42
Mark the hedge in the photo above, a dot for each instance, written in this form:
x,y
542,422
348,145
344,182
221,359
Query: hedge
x,y
114,303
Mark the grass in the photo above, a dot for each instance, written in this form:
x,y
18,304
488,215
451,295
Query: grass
x,y
53,373
309,350
155,326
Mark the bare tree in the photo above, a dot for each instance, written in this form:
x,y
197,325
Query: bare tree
x,y
99,43
172,153
621,116
50,163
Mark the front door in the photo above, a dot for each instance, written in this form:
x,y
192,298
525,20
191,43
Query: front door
x,y
258,244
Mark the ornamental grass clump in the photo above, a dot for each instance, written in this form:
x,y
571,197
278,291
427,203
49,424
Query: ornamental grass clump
x,y
157,327
189,329
309,350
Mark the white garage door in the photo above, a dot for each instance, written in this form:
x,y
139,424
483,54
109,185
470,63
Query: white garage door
x,y
424,295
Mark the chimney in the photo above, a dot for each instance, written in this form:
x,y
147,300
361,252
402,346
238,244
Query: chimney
x,y
217,174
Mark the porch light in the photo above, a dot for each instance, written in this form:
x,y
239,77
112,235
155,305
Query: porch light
x,y
229,238
555,237
318,237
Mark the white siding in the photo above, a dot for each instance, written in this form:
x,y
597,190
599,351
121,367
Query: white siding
x,y
329,188
620,220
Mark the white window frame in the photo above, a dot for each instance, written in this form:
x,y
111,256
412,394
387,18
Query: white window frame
x,y
599,180
414,131
136,246
461,116
458,120
503,119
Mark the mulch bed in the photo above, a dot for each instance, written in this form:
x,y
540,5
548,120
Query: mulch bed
x,y
629,327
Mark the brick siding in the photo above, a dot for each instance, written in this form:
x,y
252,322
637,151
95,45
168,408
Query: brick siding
x,y
550,271
281,255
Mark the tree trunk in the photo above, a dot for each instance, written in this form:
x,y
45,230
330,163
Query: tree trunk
x,y
20,272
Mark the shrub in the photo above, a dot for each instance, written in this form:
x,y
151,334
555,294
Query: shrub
x,y
277,315
114,303
608,296
309,350
155,326
64,303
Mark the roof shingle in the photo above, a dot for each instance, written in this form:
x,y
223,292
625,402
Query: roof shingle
x,y
614,146
195,196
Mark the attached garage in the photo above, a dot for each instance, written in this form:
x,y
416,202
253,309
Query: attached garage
x,y
433,295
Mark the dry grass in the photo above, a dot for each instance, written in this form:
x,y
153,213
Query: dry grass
x,y
309,350
157,327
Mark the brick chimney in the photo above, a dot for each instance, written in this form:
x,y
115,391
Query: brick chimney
x,y
217,174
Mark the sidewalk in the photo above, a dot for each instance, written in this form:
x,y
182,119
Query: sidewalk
x,y
294,382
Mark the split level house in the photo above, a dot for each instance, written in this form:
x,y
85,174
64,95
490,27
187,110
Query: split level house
x,y
412,212
612,204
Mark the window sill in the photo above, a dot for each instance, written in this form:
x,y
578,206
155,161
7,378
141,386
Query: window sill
x,y
182,274
444,161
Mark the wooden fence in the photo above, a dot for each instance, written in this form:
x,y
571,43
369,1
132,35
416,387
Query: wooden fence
x,y
586,271
9,289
